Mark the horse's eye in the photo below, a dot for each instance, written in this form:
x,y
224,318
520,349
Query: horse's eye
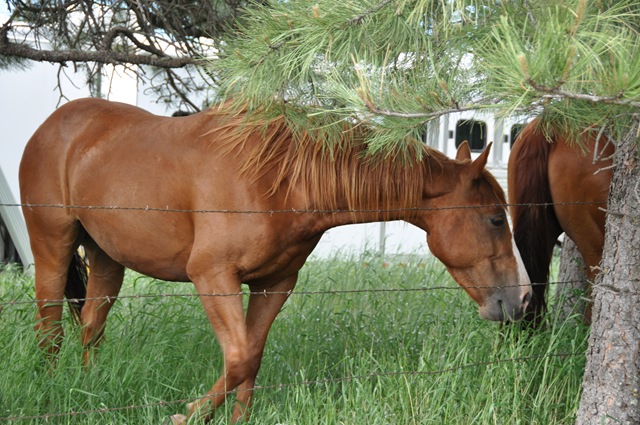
x,y
497,221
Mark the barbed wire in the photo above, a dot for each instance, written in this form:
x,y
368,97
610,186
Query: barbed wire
x,y
167,209
305,383
111,298
279,211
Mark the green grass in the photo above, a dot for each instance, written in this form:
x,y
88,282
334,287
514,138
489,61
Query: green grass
x,y
391,357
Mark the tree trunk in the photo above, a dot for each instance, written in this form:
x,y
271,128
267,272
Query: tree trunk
x,y
612,376
572,282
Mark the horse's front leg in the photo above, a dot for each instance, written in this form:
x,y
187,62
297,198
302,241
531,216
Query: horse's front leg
x,y
261,312
227,319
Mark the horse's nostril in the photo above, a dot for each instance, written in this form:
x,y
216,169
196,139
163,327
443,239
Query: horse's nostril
x,y
526,298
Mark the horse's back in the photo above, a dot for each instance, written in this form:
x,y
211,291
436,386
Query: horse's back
x,y
87,140
66,130
71,119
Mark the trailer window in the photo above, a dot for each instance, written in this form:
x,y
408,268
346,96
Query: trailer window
x,y
475,132
515,132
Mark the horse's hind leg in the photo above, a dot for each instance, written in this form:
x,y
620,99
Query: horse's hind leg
x,y
105,281
53,237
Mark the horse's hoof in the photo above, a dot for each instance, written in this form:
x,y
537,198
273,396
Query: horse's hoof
x,y
176,420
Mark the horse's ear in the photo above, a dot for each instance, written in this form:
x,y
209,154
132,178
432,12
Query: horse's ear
x,y
463,151
480,162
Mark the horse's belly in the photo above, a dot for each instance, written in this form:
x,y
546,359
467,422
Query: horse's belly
x,y
160,269
156,247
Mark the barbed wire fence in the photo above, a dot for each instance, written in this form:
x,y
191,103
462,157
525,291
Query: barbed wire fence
x,y
279,386
168,209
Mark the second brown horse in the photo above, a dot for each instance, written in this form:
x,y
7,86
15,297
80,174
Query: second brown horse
x,y
558,185
215,200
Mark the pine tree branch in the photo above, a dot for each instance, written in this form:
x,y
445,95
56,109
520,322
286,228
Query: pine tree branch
x,y
165,34
558,93
171,77
101,56
426,115
110,36
357,20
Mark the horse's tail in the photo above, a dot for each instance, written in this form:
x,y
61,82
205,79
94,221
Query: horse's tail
x,y
535,225
76,288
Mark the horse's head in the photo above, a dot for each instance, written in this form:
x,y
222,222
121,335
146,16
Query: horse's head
x,y
467,229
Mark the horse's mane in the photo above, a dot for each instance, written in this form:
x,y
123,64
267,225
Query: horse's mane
x,y
344,170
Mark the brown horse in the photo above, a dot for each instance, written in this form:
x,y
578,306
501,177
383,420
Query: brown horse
x,y
211,199
573,183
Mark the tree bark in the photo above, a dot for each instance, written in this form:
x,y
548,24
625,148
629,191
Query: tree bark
x,y
612,376
572,282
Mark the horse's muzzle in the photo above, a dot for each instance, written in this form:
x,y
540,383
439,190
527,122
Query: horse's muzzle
x,y
503,308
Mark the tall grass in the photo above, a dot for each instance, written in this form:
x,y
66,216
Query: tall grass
x,y
390,357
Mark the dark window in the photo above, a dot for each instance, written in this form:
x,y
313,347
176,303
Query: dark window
x,y
475,132
515,132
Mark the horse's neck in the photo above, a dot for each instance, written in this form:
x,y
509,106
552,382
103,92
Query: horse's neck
x,y
441,177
